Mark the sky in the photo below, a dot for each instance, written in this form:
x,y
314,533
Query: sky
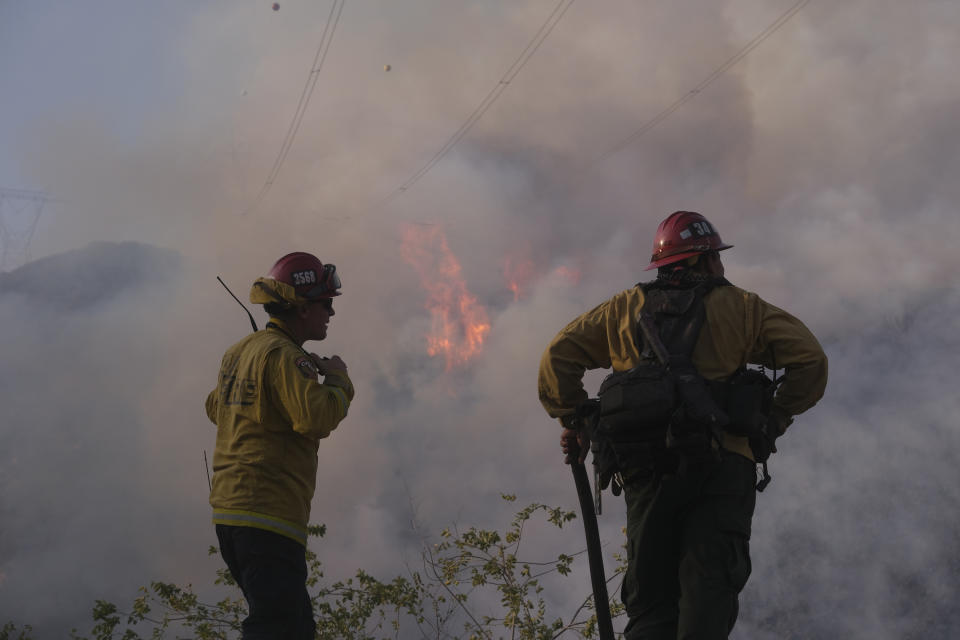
x,y
828,156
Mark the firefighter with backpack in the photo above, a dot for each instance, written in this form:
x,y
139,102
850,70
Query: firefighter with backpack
x,y
681,423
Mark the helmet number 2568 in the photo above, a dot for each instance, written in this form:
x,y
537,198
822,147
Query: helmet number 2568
x,y
304,277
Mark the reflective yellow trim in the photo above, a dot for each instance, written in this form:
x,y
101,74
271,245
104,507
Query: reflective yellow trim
x,y
285,528
344,401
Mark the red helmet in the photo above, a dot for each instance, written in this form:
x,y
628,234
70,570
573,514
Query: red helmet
x,y
309,277
682,235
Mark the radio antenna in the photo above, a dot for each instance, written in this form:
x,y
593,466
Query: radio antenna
x,y
249,315
206,465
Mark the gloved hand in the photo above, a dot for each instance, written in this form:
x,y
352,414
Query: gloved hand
x,y
326,365
575,439
575,444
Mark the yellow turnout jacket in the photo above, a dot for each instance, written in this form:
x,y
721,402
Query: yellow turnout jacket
x,y
271,411
740,328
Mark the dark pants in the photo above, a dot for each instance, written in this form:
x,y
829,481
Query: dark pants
x,y
272,573
688,550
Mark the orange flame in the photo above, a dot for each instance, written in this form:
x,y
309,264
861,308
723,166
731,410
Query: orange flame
x,y
459,324
569,274
518,274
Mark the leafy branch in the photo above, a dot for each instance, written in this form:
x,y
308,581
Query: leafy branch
x,y
473,580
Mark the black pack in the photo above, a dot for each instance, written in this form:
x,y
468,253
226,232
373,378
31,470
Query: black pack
x,y
662,412
747,398
647,397
662,404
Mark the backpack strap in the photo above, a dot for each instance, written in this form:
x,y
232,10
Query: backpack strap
x,y
670,320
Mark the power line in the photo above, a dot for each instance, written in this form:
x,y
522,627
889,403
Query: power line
x,y
319,57
545,29
535,43
716,73
11,237
25,194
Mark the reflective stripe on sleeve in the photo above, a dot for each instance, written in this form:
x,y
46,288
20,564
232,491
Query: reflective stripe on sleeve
x,y
260,521
344,401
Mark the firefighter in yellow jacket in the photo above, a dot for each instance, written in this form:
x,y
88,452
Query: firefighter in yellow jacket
x,y
688,474
271,411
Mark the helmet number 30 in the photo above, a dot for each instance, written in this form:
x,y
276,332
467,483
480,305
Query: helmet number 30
x,y
304,277
702,228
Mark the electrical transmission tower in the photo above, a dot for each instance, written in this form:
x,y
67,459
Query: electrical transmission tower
x,y
19,214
